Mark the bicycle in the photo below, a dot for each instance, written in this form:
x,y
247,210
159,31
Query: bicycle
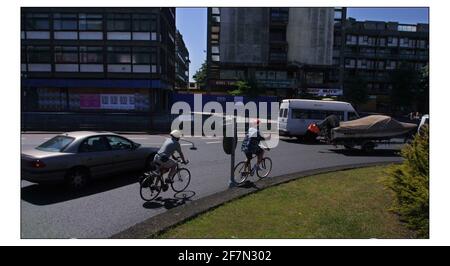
x,y
153,183
242,170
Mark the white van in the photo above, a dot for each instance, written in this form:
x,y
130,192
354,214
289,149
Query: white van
x,y
297,114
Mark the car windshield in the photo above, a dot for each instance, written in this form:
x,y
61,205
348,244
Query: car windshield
x,y
56,144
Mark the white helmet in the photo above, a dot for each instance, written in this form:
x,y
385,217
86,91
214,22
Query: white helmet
x,y
176,134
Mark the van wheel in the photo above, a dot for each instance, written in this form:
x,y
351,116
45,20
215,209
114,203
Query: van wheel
x,y
77,178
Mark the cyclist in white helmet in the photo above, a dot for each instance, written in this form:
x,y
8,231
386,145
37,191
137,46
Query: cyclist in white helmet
x,y
167,150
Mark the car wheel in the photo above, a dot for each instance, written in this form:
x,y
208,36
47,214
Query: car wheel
x,y
77,178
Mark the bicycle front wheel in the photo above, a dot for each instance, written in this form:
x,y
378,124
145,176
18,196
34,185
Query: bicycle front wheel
x,y
181,180
241,173
150,189
264,167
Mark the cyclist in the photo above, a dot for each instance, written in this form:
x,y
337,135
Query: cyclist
x,y
250,144
169,147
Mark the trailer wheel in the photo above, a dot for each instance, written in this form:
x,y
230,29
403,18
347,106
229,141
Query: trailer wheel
x,y
368,147
348,147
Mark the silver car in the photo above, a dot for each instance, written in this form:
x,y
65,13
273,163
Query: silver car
x,y
76,157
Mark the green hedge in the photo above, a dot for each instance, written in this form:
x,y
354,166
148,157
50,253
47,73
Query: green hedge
x,y
410,183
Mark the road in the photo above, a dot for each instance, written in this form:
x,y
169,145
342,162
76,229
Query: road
x,y
112,205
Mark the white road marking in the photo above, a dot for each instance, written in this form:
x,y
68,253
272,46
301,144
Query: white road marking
x,y
213,142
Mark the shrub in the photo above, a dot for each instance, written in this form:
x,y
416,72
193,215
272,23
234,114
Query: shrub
x,y
410,183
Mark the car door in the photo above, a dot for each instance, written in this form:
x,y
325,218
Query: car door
x,y
126,157
95,153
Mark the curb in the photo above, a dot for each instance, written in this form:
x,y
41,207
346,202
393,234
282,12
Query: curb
x,y
160,223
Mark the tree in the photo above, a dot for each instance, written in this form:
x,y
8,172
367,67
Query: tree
x,y
200,75
356,91
410,183
249,88
405,87
423,97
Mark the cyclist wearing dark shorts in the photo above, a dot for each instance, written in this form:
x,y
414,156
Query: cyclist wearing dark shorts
x,y
250,144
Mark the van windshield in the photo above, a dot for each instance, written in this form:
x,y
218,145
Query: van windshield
x,y
56,144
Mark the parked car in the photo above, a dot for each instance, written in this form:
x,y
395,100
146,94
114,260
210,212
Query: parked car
x,y
76,157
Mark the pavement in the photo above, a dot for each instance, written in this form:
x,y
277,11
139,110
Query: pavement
x,y
112,205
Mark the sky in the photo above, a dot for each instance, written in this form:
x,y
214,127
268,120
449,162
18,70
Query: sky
x,y
191,22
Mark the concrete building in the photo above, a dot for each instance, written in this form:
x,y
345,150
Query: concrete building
x,y
372,50
103,67
285,50
181,63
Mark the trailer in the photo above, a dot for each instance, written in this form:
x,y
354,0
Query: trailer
x,y
369,132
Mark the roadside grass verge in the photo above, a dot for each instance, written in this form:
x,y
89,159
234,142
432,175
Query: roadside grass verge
x,y
343,204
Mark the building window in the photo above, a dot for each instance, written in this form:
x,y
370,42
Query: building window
x,y
279,14
119,22
63,21
215,36
381,41
392,41
350,63
37,21
278,35
410,28
314,77
390,64
215,11
215,49
91,54
144,55
119,55
38,54
351,39
66,54
144,22
92,22
215,29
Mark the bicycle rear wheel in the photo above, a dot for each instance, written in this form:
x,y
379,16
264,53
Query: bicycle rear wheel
x,y
240,173
149,190
181,180
264,167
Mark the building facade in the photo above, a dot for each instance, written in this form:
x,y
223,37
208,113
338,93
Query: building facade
x,y
181,63
284,50
97,60
372,50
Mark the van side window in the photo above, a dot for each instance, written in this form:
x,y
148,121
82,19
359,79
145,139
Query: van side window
x,y
299,114
339,114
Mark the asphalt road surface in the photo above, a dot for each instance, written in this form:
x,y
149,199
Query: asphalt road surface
x,y
111,205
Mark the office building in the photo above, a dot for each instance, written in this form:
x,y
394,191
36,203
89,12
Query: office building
x,y
96,61
285,50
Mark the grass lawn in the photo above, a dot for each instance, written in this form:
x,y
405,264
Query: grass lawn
x,y
344,204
